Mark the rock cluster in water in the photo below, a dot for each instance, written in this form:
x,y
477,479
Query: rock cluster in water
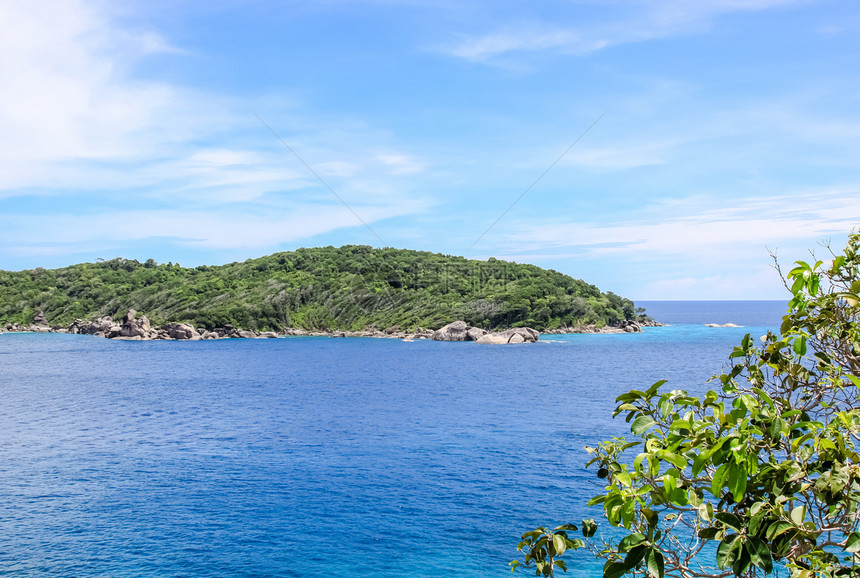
x,y
627,326
138,327
460,331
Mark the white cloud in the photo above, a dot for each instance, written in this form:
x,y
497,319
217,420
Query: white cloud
x,y
700,228
67,93
761,283
401,164
77,122
626,22
622,156
480,48
198,229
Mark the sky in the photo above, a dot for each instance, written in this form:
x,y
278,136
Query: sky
x,y
660,149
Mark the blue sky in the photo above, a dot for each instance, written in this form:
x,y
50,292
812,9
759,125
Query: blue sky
x,y
728,128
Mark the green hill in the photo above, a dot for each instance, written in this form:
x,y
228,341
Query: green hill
x,y
347,288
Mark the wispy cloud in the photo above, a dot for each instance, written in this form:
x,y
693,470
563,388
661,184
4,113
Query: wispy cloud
x,y
700,228
479,48
760,283
620,23
79,123
196,229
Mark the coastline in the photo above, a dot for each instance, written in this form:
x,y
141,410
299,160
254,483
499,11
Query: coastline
x,y
134,328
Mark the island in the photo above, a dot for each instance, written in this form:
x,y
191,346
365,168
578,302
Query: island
x,y
339,291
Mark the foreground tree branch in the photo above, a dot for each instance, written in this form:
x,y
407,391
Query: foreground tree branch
x,y
758,475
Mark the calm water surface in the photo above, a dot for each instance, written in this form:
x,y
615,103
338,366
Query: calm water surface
x,y
317,456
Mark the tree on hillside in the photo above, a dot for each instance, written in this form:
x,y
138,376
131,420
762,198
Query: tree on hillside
x,y
760,475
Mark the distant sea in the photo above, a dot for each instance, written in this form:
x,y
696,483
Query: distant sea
x,y
310,456
753,313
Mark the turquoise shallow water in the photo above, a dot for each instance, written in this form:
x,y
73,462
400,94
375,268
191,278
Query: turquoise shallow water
x,y
313,456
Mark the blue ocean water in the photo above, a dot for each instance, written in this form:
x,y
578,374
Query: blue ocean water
x,y
752,313
317,456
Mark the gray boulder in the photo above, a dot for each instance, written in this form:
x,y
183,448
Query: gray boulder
x,y
101,325
515,335
528,334
474,333
494,338
135,327
454,331
181,331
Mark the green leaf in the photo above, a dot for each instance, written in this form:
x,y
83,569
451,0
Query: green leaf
x,y
652,391
674,459
700,462
758,517
719,480
726,553
737,481
651,517
777,528
799,345
759,553
853,542
614,570
637,463
631,541
730,520
589,527
559,544
849,298
635,556
798,514
654,563
596,500
743,559
566,527
641,424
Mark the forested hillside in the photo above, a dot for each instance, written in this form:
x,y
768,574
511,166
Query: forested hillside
x,y
346,288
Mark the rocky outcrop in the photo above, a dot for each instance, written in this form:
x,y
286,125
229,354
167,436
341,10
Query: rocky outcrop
x,y
460,331
514,335
454,331
138,327
494,338
102,327
474,333
627,326
133,326
181,331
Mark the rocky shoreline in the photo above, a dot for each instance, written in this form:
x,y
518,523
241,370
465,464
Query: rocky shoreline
x,y
624,327
139,328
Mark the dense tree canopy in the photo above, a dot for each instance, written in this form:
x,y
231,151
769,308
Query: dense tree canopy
x,y
759,475
347,288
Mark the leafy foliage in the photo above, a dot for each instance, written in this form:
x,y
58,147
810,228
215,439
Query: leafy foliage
x,y
347,288
763,472
545,547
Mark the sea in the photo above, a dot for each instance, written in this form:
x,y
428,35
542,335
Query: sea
x,y
312,456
